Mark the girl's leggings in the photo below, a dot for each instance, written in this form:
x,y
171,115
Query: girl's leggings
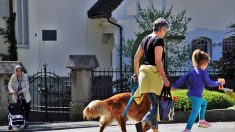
x,y
198,107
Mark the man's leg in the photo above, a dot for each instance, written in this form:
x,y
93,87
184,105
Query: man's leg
x,y
152,112
154,121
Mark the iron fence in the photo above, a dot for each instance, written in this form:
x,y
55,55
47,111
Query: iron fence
x,y
106,81
51,94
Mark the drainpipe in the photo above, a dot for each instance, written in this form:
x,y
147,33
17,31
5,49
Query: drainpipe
x,y
120,46
10,7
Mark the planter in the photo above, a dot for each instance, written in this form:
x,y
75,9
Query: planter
x,y
211,115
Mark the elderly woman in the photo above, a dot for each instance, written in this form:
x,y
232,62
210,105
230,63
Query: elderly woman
x,y
151,74
19,86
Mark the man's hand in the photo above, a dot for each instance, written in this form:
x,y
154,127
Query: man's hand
x,y
134,78
166,82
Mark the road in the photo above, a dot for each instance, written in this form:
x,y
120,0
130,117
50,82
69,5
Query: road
x,y
216,127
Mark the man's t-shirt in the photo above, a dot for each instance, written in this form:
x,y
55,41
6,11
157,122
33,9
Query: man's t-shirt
x,y
148,45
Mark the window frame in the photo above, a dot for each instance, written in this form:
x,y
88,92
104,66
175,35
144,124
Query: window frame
x,y
22,26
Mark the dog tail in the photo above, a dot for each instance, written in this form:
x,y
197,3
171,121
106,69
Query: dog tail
x,y
96,108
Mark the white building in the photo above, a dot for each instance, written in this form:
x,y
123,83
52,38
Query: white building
x,y
78,34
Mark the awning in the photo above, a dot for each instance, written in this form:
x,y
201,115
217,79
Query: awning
x,y
103,8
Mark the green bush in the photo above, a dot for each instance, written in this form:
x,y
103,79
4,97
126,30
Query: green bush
x,y
215,100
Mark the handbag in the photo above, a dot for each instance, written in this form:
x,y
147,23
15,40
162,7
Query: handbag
x,y
166,105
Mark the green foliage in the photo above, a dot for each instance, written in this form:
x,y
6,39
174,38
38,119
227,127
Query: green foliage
x,y
215,100
9,36
232,27
227,66
178,50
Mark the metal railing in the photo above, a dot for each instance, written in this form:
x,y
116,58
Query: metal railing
x,y
106,81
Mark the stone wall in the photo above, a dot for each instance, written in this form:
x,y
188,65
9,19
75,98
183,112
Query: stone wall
x,y
3,98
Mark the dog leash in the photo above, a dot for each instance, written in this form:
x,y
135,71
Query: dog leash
x,y
133,86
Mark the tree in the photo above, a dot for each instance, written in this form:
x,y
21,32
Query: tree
x,y
232,27
178,51
9,36
226,64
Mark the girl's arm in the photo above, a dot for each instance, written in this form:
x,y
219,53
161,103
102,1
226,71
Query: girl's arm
x,y
209,82
181,80
139,53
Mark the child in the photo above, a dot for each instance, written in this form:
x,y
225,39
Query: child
x,y
197,78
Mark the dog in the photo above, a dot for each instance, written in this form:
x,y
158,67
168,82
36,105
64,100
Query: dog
x,y
111,109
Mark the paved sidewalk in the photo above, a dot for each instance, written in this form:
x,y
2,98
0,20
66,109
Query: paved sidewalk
x,y
87,126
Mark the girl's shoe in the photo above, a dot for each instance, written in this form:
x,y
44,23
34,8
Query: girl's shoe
x,y
204,124
186,130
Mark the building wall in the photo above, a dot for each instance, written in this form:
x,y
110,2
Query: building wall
x,y
76,34
209,18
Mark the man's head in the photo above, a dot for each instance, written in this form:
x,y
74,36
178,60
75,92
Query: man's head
x,y
160,26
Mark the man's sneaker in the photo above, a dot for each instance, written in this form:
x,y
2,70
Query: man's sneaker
x,y
186,130
204,124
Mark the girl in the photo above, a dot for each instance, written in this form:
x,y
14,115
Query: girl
x,y
196,79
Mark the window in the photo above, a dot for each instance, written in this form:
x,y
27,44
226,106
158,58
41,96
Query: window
x,y
228,44
22,29
202,43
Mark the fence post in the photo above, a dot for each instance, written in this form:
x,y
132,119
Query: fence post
x,y
81,67
46,89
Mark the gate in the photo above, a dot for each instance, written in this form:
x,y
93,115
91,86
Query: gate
x,y
51,96
107,82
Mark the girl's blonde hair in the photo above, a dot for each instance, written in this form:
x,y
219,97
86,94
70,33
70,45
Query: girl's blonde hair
x,y
200,57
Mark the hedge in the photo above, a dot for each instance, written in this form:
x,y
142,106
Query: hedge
x,y
215,100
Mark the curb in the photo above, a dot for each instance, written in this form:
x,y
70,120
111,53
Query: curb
x,y
221,115
218,115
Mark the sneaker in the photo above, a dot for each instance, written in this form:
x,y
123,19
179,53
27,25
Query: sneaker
x,y
186,130
204,124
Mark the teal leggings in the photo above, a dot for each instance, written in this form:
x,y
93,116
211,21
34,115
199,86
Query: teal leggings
x,y
198,107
